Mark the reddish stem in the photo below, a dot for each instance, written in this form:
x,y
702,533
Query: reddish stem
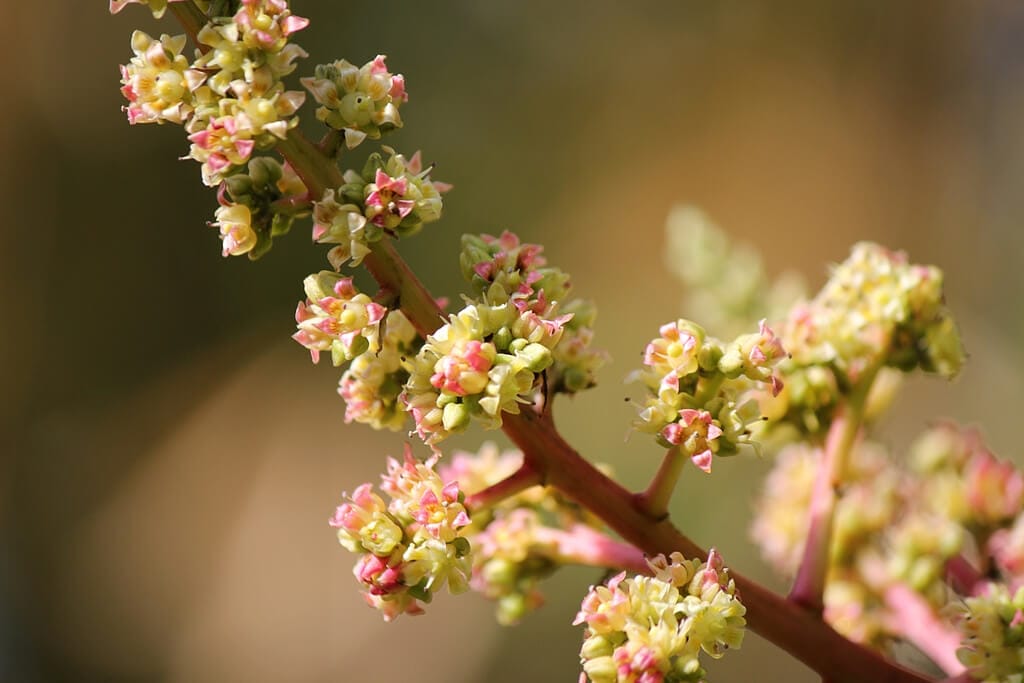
x,y
964,576
191,19
582,544
910,615
520,480
655,499
292,205
809,585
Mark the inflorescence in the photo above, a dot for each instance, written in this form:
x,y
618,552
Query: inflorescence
x,y
938,535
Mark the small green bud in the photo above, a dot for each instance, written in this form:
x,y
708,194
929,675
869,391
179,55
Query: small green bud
x,y
380,536
709,355
944,353
731,363
596,646
238,185
455,417
499,572
502,339
601,670
537,357
261,170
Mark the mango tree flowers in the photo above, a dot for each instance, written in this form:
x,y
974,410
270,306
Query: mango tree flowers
x,y
702,393
653,628
336,317
362,102
412,546
484,361
391,196
521,338
159,82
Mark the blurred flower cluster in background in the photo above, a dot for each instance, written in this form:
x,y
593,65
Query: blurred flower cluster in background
x,y
169,457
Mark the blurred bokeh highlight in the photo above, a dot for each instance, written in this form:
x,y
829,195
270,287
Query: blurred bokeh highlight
x,y
170,458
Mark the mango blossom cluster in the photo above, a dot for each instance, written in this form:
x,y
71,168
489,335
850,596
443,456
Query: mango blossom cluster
x,y
392,196
232,102
411,546
653,628
231,99
378,345
336,317
484,361
520,270
876,308
953,501
992,624
523,539
362,102
243,105
248,217
702,393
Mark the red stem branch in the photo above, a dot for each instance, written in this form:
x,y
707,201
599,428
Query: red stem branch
x,y
582,544
911,616
520,480
655,498
963,576
809,585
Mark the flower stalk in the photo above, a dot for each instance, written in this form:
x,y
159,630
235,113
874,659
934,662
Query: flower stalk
x,y
809,585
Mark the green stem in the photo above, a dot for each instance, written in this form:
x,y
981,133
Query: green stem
x,y
809,585
708,390
654,500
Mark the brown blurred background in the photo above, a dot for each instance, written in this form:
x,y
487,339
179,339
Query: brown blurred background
x,y
170,457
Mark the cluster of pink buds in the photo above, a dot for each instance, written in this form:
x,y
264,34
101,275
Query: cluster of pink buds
x,y
336,317
231,102
411,546
393,196
952,513
504,268
654,628
876,307
362,101
992,624
702,394
485,361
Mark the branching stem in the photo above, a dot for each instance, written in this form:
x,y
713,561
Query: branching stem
x,y
654,500
809,585
910,615
517,482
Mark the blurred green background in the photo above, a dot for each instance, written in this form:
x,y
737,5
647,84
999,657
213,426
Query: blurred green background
x,y
170,457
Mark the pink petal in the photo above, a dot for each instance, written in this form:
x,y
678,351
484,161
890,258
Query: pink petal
x,y
703,460
292,24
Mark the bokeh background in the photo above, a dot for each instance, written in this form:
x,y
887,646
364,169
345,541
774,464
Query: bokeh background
x,y
170,457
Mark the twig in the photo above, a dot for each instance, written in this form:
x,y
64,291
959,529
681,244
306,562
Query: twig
x,y
654,500
809,585
520,480
911,616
